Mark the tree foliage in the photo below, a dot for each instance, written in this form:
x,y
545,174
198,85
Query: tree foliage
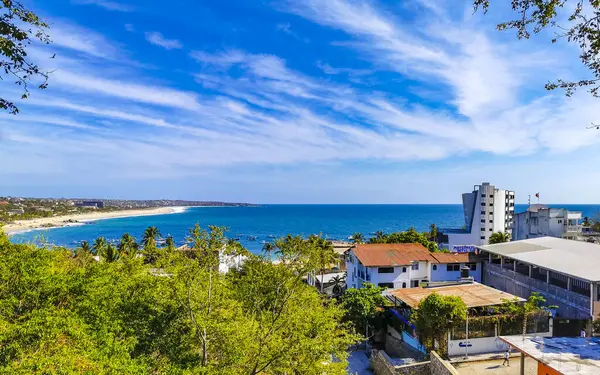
x,y
499,237
19,27
409,236
582,28
437,314
535,305
62,315
362,306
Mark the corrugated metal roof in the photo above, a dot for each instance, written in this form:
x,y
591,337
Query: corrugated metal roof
x,y
473,294
574,258
401,254
450,258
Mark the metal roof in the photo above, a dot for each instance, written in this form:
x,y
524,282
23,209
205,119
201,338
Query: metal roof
x,y
574,258
566,355
473,294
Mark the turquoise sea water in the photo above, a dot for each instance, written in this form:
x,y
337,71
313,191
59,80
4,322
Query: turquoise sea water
x,y
253,225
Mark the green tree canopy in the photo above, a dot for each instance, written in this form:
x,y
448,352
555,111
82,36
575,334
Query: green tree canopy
x,y
19,27
435,315
409,236
362,305
60,315
499,237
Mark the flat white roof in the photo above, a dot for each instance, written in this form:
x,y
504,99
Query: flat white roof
x,y
574,258
566,355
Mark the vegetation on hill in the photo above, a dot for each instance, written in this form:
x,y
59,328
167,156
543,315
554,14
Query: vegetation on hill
x,y
63,312
426,239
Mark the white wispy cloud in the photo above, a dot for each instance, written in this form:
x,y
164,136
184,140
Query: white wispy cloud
x,y
106,4
76,38
256,109
158,39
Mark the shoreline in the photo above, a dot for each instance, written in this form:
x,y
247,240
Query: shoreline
x,y
21,226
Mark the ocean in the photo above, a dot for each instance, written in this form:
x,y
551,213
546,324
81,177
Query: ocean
x,y
256,225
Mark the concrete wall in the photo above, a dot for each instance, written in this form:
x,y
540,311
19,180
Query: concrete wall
x,y
440,367
571,305
381,365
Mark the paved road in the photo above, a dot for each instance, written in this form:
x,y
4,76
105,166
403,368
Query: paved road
x,y
494,367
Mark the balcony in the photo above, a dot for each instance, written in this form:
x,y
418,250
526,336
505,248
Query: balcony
x,y
574,228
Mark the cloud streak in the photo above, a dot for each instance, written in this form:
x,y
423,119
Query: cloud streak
x,y
158,39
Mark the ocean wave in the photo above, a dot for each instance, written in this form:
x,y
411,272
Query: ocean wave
x,y
179,210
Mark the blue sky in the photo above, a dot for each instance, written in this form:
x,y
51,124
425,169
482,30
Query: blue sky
x,y
303,101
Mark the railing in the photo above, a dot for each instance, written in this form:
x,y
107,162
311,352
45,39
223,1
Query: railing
x,y
573,228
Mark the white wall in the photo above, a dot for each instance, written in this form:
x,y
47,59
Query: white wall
x,y
442,274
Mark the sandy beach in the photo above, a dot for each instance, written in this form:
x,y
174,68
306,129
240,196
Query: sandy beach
x,y
61,221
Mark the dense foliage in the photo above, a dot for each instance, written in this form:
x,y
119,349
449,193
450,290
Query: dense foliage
x,y
435,316
576,21
362,306
66,313
409,236
499,237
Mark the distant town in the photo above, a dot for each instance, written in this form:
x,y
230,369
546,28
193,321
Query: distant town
x,y
23,208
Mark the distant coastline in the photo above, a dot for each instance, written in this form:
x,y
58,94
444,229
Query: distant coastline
x,y
80,219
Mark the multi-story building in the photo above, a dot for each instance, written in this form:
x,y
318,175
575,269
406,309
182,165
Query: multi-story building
x,y
486,210
565,272
541,221
398,266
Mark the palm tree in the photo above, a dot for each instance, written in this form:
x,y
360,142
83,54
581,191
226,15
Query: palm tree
x,y
99,245
151,234
325,255
84,248
128,246
110,254
358,238
338,284
170,243
268,248
499,237
433,232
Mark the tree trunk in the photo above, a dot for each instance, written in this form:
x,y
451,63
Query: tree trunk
x,y
322,277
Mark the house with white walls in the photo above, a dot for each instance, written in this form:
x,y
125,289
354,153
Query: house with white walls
x,y
397,266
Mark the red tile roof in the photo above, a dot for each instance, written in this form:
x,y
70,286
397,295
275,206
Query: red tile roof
x,y
401,254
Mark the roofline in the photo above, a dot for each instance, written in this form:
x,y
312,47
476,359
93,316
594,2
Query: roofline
x,y
480,247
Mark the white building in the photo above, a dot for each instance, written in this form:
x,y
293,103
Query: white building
x,y
404,265
541,221
487,210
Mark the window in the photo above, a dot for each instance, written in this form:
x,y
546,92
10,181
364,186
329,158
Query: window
x,y
560,221
483,237
385,270
483,212
483,221
472,266
482,229
491,205
483,203
415,266
452,267
491,221
491,229
414,283
404,285
434,267
491,212
482,195
403,269
386,285
491,195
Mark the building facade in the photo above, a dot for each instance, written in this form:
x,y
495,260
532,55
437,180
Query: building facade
x,y
542,221
565,272
398,266
486,210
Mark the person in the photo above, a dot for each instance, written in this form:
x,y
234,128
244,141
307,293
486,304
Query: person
x,y
506,357
582,334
